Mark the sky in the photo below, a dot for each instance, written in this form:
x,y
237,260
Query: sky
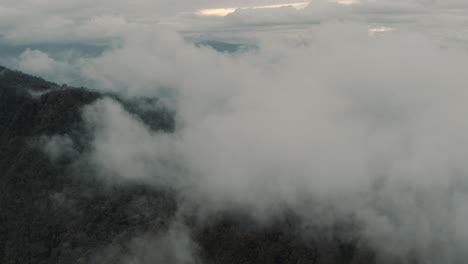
x,y
36,21
359,107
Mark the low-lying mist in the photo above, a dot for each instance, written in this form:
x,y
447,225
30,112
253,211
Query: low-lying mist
x,y
332,125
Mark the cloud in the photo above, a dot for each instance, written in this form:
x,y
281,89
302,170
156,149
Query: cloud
x,y
40,63
105,22
116,130
37,62
335,118
30,21
320,114
59,148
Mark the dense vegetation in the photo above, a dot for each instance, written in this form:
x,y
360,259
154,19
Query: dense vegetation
x,y
50,213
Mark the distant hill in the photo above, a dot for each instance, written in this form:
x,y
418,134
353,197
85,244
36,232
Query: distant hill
x,y
222,46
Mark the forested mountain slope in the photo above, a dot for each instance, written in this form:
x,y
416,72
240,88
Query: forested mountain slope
x,y
57,211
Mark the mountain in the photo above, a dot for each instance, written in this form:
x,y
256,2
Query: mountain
x,y
34,227
51,213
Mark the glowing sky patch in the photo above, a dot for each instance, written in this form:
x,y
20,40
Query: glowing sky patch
x,y
216,11
346,2
380,30
227,11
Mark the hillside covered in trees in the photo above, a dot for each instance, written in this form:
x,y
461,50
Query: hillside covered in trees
x,y
58,211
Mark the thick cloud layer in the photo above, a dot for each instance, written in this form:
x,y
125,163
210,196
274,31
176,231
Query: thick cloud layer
x,y
373,126
321,114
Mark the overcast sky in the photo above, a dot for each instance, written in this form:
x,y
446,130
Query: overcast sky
x,y
30,21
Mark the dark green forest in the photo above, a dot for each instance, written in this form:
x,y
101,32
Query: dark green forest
x,y
59,212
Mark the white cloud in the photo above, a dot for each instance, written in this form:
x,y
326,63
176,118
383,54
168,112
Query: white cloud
x,y
374,126
37,62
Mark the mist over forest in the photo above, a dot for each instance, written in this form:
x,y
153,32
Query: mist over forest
x,y
242,131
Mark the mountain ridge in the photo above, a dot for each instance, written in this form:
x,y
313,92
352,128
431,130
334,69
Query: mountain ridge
x,y
59,212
